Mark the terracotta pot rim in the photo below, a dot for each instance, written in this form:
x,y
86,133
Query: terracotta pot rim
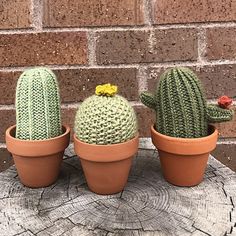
x,y
106,153
185,146
185,140
8,133
37,148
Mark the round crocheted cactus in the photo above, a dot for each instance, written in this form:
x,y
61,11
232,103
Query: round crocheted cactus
x,y
105,118
37,105
181,109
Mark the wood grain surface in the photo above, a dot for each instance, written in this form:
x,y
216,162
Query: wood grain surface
x,y
147,206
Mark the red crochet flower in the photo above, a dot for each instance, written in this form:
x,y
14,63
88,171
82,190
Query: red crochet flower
x,y
224,102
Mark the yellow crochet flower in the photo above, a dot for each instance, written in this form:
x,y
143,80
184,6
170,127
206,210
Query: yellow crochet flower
x,y
106,90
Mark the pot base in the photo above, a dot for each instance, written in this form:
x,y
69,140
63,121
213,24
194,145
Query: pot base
x,y
183,171
106,177
38,172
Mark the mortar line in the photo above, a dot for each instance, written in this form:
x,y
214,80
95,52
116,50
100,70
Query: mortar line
x,y
77,104
125,66
202,45
226,141
142,77
147,9
92,37
3,145
65,105
37,15
7,107
120,28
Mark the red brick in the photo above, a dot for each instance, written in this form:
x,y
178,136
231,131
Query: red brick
x,y
7,118
221,44
15,14
76,85
146,117
92,13
68,118
67,48
217,80
185,11
8,82
146,46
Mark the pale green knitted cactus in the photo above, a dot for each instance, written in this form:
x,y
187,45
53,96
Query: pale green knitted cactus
x,y
37,105
105,118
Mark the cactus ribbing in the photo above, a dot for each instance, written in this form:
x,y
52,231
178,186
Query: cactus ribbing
x,y
105,119
37,105
181,109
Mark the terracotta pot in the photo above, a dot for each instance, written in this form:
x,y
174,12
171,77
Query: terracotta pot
x,y
184,160
37,161
106,167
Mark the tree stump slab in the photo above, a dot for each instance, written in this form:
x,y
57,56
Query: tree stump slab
x,y
147,206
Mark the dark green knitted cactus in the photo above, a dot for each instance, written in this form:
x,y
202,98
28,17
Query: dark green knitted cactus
x,y
37,105
181,109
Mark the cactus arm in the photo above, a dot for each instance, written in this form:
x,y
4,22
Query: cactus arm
x,y
148,100
217,114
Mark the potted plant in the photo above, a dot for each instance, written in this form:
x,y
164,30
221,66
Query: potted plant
x,y
181,132
38,140
106,139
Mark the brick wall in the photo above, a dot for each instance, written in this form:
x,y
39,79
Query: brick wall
x,y
127,42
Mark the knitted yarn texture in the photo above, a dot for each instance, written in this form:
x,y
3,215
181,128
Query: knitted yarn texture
x,y
37,105
105,119
181,109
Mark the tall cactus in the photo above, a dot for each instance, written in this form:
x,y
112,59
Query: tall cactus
x,y
181,109
37,105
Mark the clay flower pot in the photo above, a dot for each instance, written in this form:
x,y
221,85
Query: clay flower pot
x,y
37,161
184,160
106,167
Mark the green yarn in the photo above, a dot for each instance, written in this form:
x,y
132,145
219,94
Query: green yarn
x,y
216,114
105,120
181,109
37,105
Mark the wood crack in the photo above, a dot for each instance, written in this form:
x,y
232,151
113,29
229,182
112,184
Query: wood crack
x,y
230,215
202,231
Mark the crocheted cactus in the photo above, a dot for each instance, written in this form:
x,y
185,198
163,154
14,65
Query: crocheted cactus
x,y
37,105
181,109
105,118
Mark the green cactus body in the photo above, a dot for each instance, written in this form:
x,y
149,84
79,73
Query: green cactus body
x,y
181,109
37,105
105,120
